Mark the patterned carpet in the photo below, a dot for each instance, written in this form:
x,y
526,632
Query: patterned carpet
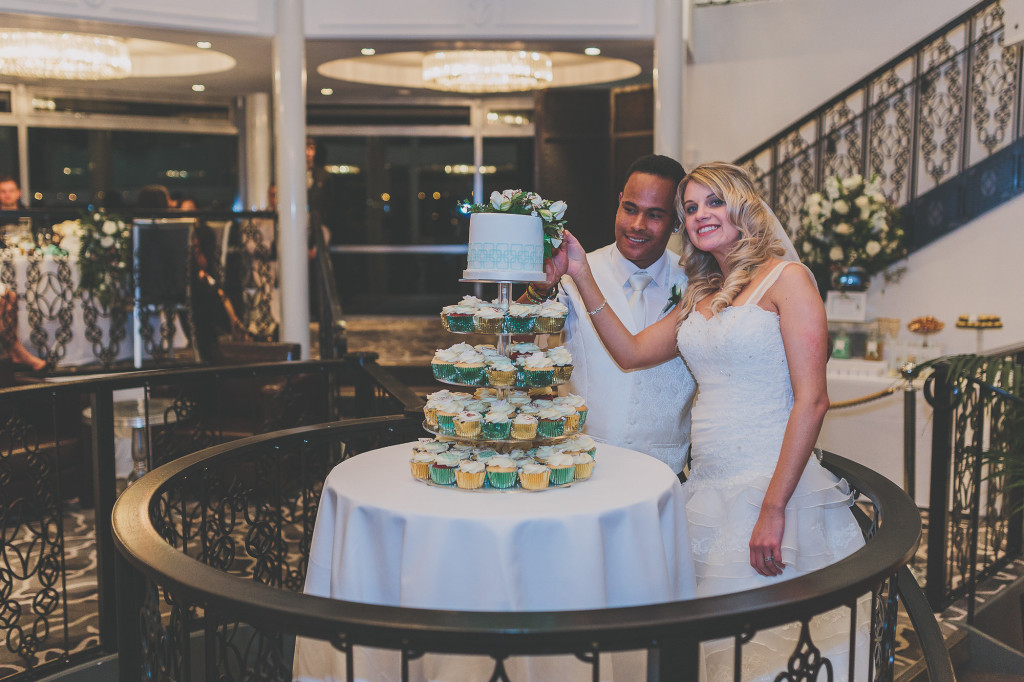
x,y
80,631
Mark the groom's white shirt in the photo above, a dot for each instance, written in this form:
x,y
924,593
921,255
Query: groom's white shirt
x,y
647,410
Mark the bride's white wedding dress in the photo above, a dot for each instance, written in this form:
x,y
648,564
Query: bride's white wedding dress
x,y
739,419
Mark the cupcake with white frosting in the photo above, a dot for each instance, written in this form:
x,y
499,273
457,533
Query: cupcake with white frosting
x,y
500,371
561,358
501,472
584,465
550,422
496,425
563,470
467,423
442,469
534,476
550,317
536,369
488,320
470,474
520,318
524,427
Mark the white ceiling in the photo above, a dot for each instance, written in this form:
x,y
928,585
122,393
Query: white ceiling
x,y
252,71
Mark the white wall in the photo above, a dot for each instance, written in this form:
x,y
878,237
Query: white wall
x,y
976,269
759,67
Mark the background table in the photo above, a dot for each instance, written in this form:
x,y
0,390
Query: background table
x,y
381,537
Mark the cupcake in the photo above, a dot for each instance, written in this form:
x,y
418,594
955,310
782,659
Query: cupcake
x,y
550,422
469,368
462,450
522,348
520,318
420,464
485,454
502,407
524,427
534,476
521,457
501,472
572,418
537,369
488,320
501,372
443,364
551,317
562,468
562,360
580,443
519,398
496,425
544,453
442,469
446,411
431,446
458,318
467,424
485,393
470,474
584,465
577,402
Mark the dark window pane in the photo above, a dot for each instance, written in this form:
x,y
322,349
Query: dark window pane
x,y
512,162
9,151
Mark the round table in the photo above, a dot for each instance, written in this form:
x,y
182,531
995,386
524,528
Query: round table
x,y
381,537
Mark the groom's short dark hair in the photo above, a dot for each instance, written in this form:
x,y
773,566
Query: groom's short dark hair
x,y
656,164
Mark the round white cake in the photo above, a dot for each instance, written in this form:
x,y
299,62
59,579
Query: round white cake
x,y
505,247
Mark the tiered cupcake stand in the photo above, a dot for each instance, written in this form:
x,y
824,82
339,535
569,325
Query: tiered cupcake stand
x,y
503,345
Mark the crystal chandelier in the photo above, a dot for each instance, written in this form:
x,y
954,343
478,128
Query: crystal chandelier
x,y
41,55
487,70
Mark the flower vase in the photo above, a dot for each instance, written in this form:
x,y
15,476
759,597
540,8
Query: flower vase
x,y
852,278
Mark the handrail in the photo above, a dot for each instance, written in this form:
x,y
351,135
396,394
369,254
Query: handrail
x,y
892,545
332,326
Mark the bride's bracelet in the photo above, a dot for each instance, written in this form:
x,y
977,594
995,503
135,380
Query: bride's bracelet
x,y
598,309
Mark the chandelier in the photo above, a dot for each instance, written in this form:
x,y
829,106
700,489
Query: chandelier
x,y
487,70
41,55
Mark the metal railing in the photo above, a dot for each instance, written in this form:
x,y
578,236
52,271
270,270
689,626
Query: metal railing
x,y
247,605
941,125
976,519
59,477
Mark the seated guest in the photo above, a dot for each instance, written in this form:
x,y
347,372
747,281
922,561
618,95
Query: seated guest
x,y
9,332
10,200
212,311
153,196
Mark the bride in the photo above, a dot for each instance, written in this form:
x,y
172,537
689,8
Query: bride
x,y
751,327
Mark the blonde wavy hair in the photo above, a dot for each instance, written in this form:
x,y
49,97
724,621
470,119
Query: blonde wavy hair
x,y
756,246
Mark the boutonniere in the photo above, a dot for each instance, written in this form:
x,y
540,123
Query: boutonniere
x,y
674,296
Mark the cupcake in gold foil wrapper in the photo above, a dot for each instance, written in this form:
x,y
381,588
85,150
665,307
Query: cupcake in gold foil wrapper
x,y
550,317
471,474
524,427
467,424
534,476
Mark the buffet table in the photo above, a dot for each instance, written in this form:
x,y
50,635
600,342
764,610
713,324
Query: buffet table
x,y
382,537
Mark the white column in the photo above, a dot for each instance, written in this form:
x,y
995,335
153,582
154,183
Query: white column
x,y
289,64
257,173
669,70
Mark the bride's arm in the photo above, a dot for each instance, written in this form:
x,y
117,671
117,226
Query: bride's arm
x,y
652,346
805,336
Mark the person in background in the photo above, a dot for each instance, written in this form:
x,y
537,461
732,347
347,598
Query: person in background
x,y
153,196
182,201
627,407
212,311
10,200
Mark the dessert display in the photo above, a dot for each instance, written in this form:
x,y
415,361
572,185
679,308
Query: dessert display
x,y
981,322
925,325
512,432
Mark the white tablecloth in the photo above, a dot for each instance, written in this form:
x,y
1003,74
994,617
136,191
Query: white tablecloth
x,y
872,434
381,537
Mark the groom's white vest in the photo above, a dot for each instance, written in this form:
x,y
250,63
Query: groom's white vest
x,y
647,410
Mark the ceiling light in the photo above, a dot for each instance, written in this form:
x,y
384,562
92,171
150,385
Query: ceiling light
x,y
592,51
198,87
66,56
204,44
367,51
486,70
326,91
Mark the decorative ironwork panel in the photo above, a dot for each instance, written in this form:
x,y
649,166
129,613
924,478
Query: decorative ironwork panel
x,y
165,634
259,277
184,428
796,173
117,313
891,131
33,601
843,142
49,296
994,87
240,652
884,610
941,115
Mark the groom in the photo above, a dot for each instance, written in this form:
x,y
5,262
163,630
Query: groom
x,y
647,410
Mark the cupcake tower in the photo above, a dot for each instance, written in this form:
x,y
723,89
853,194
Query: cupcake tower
x,y
513,432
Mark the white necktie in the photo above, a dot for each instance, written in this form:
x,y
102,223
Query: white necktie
x,y
638,281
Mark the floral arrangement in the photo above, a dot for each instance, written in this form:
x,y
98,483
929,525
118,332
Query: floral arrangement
x,y
850,224
104,255
518,202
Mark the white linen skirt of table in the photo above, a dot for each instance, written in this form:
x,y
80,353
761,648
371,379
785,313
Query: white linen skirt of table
x,y
619,539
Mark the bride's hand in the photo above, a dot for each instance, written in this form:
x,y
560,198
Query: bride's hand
x,y
766,542
574,254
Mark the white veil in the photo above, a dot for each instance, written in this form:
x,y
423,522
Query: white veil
x,y
790,253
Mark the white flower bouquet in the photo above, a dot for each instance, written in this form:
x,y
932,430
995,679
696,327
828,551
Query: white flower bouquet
x,y
518,202
104,256
850,224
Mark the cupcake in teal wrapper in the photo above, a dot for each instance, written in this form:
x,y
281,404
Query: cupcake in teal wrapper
x,y
501,472
578,403
563,470
442,470
496,426
520,318
446,411
550,422
458,318
469,368
580,443
537,368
